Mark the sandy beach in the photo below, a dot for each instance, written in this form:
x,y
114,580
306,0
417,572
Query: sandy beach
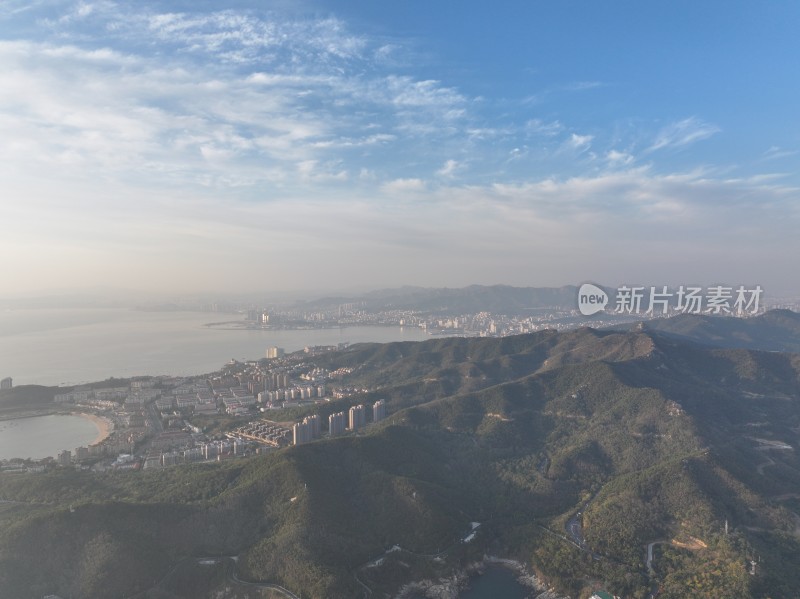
x,y
104,426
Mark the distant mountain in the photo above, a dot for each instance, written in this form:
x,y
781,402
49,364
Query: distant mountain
x,y
574,451
501,299
775,330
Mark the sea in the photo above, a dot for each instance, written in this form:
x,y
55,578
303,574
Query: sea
x,y
75,346
497,582
43,436
494,583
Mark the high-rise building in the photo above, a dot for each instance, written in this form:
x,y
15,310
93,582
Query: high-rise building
x,y
274,352
336,423
357,417
6,383
378,410
302,432
65,457
315,422
277,380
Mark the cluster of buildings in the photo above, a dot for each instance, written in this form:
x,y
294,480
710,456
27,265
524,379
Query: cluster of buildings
x,y
208,451
192,394
152,416
66,457
281,383
270,433
478,324
91,397
339,422
6,383
266,432
298,393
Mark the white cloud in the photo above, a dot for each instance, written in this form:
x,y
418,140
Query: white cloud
x,y
517,154
776,153
578,143
137,99
245,38
446,230
539,127
683,133
311,170
236,133
407,92
578,86
615,158
449,169
403,186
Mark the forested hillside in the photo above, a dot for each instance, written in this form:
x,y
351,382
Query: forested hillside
x,y
574,451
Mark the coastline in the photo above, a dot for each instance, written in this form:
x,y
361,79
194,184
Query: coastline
x,y
104,426
15,415
451,587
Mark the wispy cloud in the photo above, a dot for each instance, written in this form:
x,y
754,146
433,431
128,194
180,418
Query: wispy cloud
x,y
401,186
776,153
127,130
578,143
683,133
540,127
243,38
304,91
449,169
578,86
616,158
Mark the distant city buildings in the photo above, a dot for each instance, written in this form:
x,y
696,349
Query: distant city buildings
x,y
275,352
6,383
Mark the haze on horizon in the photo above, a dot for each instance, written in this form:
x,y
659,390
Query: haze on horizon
x,y
178,147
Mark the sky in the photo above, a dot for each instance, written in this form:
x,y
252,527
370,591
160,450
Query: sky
x,y
191,146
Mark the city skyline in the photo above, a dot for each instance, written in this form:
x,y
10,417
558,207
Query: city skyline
x,y
179,148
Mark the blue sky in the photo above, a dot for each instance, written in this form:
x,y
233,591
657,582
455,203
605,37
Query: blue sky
x,y
182,147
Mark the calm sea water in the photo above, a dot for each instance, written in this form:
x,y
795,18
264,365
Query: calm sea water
x,y
496,582
71,346
44,436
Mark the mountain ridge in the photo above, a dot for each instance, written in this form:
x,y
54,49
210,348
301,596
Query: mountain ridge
x,y
646,435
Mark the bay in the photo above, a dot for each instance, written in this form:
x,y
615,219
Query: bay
x,y
43,436
496,582
74,346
